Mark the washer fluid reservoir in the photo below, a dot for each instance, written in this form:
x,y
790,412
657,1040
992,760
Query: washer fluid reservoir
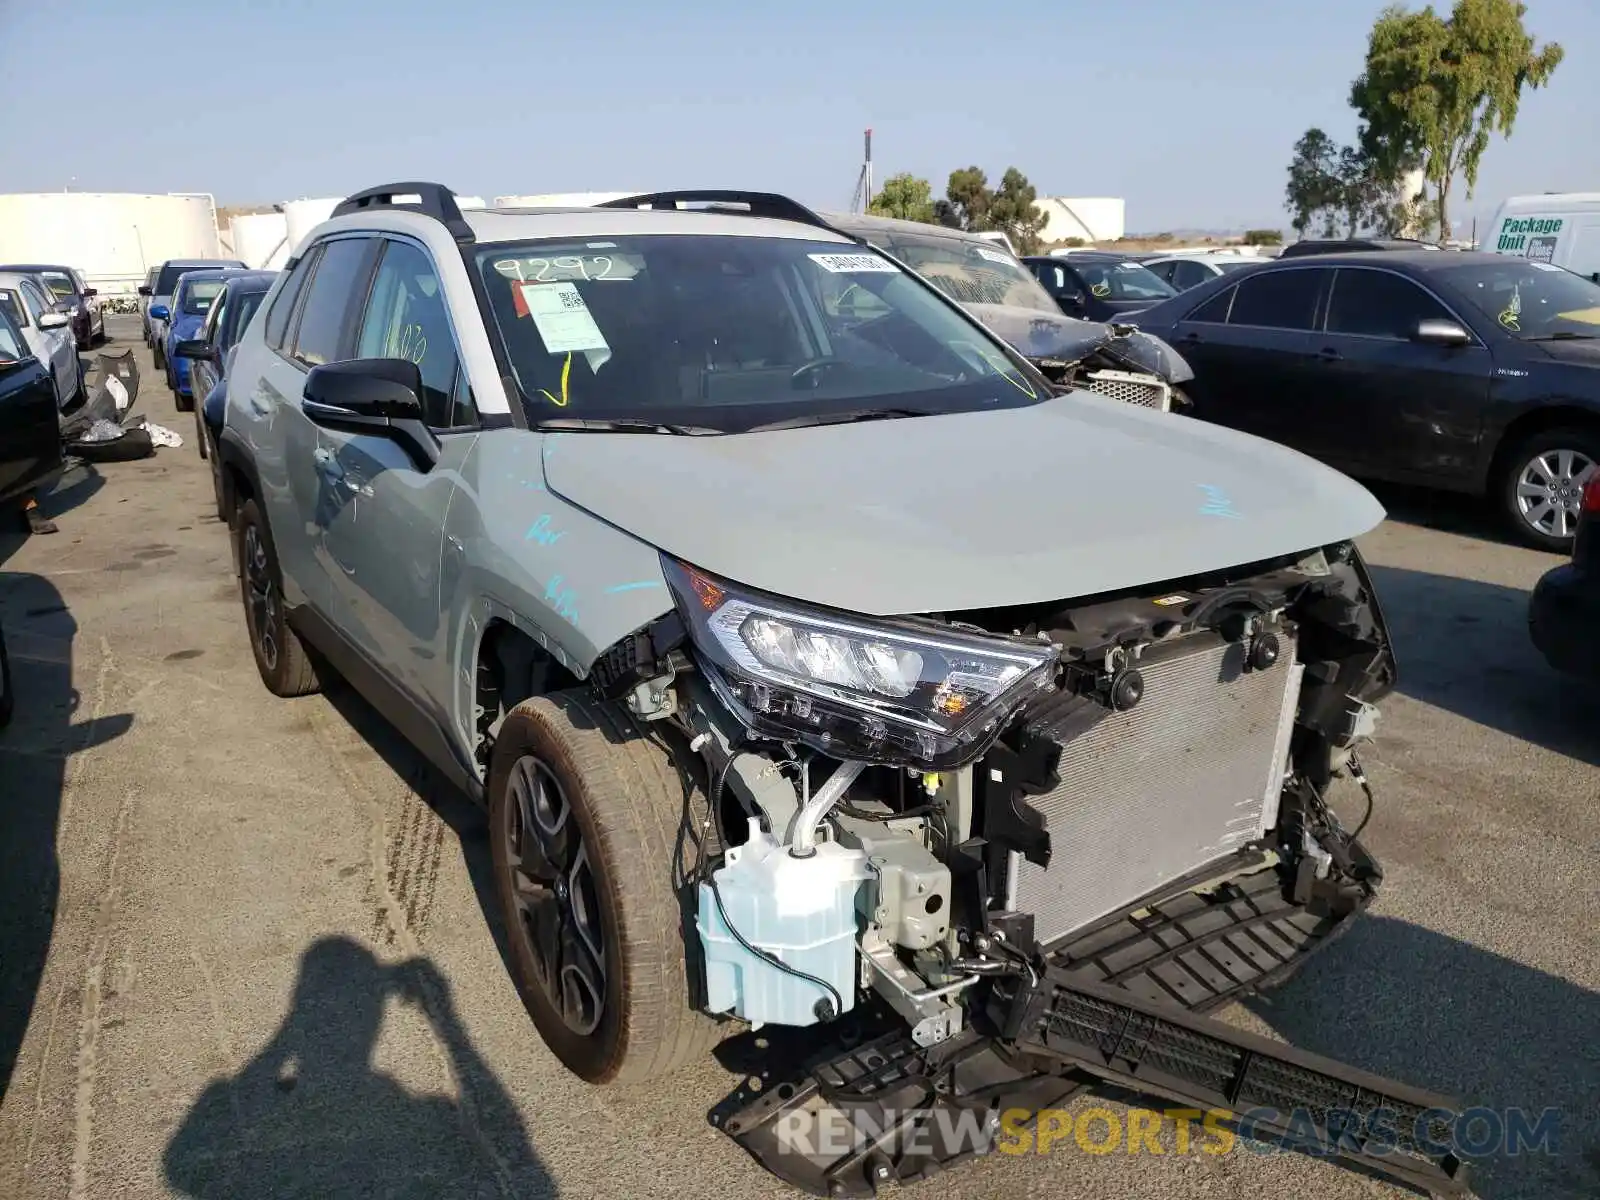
x,y
801,910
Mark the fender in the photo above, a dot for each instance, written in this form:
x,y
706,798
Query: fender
x,y
233,452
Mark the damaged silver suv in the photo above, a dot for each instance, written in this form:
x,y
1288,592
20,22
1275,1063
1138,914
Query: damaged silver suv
x,y
820,662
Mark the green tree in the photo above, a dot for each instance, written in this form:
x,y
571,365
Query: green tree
x,y
1314,192
1337,191
1013,209
1263,237
904,196
1436,89
969,197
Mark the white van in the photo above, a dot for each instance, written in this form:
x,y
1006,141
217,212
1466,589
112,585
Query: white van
x,y
1563,229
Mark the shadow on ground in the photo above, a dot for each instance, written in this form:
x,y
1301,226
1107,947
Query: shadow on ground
x,y
313,1116
1402,1001
46,729
1448,512
1463,646
76,485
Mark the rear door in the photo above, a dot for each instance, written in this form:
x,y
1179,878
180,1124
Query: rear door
x,y
1383,404
30,429
1250,348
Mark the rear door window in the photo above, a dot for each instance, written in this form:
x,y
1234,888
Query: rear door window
x,y
333,298
1215,310
277,330
1379,304
1278,300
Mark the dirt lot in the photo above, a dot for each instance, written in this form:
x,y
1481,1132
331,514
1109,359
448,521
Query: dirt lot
x,y
246,950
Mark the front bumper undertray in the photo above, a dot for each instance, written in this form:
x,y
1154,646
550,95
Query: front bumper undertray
x,y
1121,1004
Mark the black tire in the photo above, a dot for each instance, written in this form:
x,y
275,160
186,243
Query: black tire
x,y
199,430
8,701
629,804
160,358
282,659
216,484
1555,534
181,402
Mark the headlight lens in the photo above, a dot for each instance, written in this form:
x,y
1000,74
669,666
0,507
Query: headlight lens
x,y
856,688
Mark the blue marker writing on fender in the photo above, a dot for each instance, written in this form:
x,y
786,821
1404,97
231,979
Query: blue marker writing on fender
x,y
633,587
562,599
1217,503
541,532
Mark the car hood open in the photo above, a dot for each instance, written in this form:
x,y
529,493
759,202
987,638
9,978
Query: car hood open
x,y
1071,497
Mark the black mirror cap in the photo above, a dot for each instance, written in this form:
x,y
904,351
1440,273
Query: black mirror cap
x,y
144,290
1436,331
193,348
390,388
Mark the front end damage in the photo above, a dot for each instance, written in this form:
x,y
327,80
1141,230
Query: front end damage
x,y
981,859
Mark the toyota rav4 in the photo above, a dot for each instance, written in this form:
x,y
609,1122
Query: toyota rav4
x,y
819,661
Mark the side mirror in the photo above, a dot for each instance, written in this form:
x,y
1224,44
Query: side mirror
x,y
379,396
87,292
1438,332
144,289
194,348
54,320
159,312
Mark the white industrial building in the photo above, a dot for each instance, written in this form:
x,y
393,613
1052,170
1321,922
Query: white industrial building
x,y
1094,219
112,237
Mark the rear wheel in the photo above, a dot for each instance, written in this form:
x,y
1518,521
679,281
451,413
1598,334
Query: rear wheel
x,y
282,659
585,812
160,358
1541,488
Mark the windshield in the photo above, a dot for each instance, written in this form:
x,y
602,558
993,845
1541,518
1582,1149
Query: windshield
x,y
12,304
730,332
167,279
1122,280
199,295
1529,300
969,271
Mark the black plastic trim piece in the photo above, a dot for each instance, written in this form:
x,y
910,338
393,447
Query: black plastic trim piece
x,y
433,200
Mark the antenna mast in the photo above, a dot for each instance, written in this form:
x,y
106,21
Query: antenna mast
x,y
863,196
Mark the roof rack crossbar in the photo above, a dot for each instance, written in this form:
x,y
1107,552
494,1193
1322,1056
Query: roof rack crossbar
x,y
433,200
755,204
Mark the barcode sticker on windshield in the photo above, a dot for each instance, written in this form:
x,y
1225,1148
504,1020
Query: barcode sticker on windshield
x,y
563,320
993,255
854,264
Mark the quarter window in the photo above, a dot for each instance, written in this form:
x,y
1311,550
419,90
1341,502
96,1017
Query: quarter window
x,y
406,318
1378,304
1278,300
325,317
1215,310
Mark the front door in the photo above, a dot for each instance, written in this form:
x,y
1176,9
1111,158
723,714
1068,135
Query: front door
x,y
385,532
1384,404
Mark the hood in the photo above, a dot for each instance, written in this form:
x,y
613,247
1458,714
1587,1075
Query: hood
x,y
1044,335
1071,497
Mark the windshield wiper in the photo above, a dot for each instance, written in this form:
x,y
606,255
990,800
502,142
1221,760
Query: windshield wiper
x,y
624,425
838,418
1562,335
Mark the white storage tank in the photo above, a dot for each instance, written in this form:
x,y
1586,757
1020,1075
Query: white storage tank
x,y
301,217
258,237
112,237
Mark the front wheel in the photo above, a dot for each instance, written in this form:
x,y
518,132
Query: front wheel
x,y
584,815
1541,488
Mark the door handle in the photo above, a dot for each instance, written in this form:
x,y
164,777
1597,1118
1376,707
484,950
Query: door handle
x,y
1329,355
1189,339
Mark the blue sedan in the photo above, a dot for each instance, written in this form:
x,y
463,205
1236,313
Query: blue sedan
x,y
191,300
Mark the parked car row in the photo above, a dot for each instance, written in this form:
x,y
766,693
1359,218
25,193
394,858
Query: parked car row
x,y
158,289
46,330
65,289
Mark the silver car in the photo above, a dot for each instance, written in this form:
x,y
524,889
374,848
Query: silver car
x,y
47,330
814,658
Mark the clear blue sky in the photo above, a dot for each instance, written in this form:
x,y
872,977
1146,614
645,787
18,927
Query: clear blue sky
x,y
1187,109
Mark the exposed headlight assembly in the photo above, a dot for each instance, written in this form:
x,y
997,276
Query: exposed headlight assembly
x,y
851,687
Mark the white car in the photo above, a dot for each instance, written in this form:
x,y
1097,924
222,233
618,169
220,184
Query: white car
x,y
47,330
1184,271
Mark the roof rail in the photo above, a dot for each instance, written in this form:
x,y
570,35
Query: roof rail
x,y
754,204
433,200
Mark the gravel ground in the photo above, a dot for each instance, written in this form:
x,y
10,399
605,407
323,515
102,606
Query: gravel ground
x,y
245,948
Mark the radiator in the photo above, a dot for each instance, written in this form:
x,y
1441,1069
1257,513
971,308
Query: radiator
x,y
1184,779
1147,391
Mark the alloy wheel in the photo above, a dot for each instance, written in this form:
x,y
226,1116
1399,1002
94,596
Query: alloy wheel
x,y
263,596
1550,491
553,887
